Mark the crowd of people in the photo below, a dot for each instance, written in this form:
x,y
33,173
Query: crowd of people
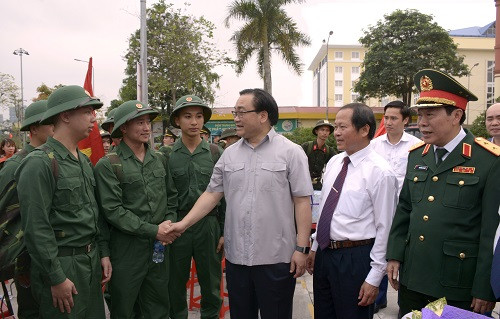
x,y
420,215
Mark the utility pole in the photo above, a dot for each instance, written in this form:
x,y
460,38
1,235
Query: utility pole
x,y
144,55
21,52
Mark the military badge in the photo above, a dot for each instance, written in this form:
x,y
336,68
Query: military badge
x,y
466,150
426,149
189,99
421,168
425,83
464,169
138,105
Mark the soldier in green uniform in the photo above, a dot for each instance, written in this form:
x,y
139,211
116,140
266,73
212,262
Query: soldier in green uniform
x,y
441,238
59,213
27,306
168,141
204,133
108,125
137,196
191,163
229,137
318,153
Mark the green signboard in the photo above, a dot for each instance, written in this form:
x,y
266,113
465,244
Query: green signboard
x,y
283,126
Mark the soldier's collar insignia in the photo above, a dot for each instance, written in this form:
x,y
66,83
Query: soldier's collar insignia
x,y
189,99
425,83
464,169
426,149
138,105
466,150
487,145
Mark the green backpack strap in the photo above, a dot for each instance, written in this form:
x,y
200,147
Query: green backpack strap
x,y
116,165
53,162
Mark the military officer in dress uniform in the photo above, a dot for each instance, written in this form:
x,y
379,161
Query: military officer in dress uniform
x,y
205,133
318,153
441,238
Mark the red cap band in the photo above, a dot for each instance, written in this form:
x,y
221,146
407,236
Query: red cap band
x,y
443,97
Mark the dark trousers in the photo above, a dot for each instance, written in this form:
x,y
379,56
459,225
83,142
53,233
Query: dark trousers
x,y
411,300
382,292
338,276
265,288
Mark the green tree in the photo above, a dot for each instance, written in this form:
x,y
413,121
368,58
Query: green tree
x,y
9,91
114,104
267,27
181,58
304,134
44,91
478,127
399,46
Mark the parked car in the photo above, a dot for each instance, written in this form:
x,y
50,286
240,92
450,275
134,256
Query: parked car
x,y
413,130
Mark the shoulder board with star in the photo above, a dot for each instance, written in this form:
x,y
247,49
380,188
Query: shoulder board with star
x,y
418,145
487,145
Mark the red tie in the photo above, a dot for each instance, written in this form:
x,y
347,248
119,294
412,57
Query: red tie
x,y
323,236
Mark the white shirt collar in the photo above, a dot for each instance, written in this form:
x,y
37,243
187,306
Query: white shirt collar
x,y
454,142
360,155
404,138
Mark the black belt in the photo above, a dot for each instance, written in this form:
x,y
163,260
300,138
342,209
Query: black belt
x,y
335,244
71,251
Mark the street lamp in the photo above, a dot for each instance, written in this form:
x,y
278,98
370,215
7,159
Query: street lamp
x,y
468,84
327,42
21,52
93,73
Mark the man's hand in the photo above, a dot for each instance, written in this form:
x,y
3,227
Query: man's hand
x,y
164,234
62,295
310,262
106,270
176,229
298,264
482,306
393,273
220,245
367,294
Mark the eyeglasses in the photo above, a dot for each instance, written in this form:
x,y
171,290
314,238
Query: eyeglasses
x,y
241,113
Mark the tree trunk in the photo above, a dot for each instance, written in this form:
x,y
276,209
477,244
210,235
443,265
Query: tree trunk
x,y
407,98
268,86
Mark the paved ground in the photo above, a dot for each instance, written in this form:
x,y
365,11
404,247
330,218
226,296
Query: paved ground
x,y
303,302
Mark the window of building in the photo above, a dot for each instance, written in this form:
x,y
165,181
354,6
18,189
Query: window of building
x,y
338,83
338,69
355,70
339,55
490,83
354,97
338,97
355,55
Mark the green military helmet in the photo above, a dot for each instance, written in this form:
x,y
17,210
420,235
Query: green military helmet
x,y
33,114
129,111
67,98
190,100
323,123
228,133
109,120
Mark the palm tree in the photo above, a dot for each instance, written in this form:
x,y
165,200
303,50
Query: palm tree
x,y
267,27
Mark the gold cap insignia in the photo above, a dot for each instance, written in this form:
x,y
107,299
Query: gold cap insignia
x,y
326,122
189,99
138,105
425,83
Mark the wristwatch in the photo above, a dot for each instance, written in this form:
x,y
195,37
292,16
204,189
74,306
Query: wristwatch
x,y
304,250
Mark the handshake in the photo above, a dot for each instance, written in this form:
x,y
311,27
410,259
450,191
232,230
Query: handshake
x,y
168,231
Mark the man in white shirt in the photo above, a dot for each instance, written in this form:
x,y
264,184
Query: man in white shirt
x,y
359,198
393,147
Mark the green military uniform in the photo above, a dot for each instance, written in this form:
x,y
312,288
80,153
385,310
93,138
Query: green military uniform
x,y
60,217
443,229
27,306
191,173
135,197
317,156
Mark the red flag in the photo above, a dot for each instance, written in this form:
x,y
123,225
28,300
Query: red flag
x,y
381,129
92,145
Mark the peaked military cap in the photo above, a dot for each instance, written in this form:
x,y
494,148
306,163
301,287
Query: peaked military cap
x,y
33,114
169,133
439,89
205,130
323,123
67,98
109,120
190,100
129,111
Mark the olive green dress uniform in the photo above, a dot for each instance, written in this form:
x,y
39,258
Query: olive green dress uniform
x,y
134,205
191,174
445,222
61,228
